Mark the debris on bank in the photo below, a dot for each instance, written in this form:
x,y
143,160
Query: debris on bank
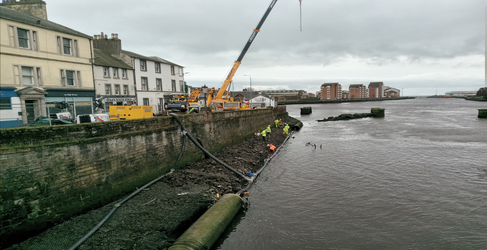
x,y
375,112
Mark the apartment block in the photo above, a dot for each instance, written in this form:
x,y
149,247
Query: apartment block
x,y
331,91
376,90
357,91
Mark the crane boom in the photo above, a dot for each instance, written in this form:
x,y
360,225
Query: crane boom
x,y
237,63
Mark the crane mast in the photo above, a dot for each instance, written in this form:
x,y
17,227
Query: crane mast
x,y
237,63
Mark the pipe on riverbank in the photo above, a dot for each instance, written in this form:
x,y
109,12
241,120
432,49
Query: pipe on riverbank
x,y
118,204
208,228
206,151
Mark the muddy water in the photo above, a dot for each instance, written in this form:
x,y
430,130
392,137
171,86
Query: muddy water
x,y
416,179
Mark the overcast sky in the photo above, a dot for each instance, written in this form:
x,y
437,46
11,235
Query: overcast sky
x,y
420,47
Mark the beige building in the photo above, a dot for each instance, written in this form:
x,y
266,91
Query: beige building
x,y
43,63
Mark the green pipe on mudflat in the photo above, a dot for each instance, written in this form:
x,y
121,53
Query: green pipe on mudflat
x,y
208,228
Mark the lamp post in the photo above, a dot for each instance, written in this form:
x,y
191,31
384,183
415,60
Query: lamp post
x,y
205,91
250,101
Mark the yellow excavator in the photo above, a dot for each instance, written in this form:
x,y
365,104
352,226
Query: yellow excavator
x,y
218,101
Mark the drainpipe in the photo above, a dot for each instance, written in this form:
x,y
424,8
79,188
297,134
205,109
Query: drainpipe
x,y
135,83
92,60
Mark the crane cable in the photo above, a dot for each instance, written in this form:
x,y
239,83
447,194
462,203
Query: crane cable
x,y
300,17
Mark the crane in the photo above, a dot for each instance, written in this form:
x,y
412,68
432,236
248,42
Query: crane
x,y
228,103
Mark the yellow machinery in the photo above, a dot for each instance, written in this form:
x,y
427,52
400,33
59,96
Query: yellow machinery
x,y
181,103
130,112
219,102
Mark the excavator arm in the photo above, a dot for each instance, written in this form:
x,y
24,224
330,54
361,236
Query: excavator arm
x,y
194,95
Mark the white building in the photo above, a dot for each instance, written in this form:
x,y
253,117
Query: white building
x,y
156,79
114,80
263,101
150,80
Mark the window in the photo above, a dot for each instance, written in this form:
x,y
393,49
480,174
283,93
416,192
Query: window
x,y
70,78
145,101
158,84
173,85
5,103
124,74
158,67
143,65
106,72
125,89
172,70
145,83
23,36
67,46
115,72
108,89
181,86
39,76
27,75
117,89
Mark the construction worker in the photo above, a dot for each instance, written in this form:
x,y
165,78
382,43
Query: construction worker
x,y
287,126
268,130
277,123
272,147
263,133
285,130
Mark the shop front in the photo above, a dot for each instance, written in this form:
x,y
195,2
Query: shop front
x,y
76,102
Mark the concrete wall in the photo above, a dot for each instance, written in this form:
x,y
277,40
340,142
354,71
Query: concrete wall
x,y
50,173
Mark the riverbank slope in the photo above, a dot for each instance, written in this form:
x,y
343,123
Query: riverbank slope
x,y
158,215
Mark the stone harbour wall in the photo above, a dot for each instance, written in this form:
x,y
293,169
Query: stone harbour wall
x,y
48,174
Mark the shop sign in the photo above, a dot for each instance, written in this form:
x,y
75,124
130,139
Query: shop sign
x,y
119,99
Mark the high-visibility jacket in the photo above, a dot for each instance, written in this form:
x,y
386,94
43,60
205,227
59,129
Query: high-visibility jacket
x,y
276,122
268,129
272,147
263,133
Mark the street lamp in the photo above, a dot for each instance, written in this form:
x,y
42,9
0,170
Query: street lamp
x,y
250,102
205,91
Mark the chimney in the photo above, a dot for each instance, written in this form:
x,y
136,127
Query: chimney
x,y
113,46
35,8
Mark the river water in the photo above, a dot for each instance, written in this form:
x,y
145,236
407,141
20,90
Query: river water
x,y
416,179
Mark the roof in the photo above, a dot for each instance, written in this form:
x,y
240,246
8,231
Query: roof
x,y
354,86
329,84
150,58
105,59
375,84
281,91
24,18
246,94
